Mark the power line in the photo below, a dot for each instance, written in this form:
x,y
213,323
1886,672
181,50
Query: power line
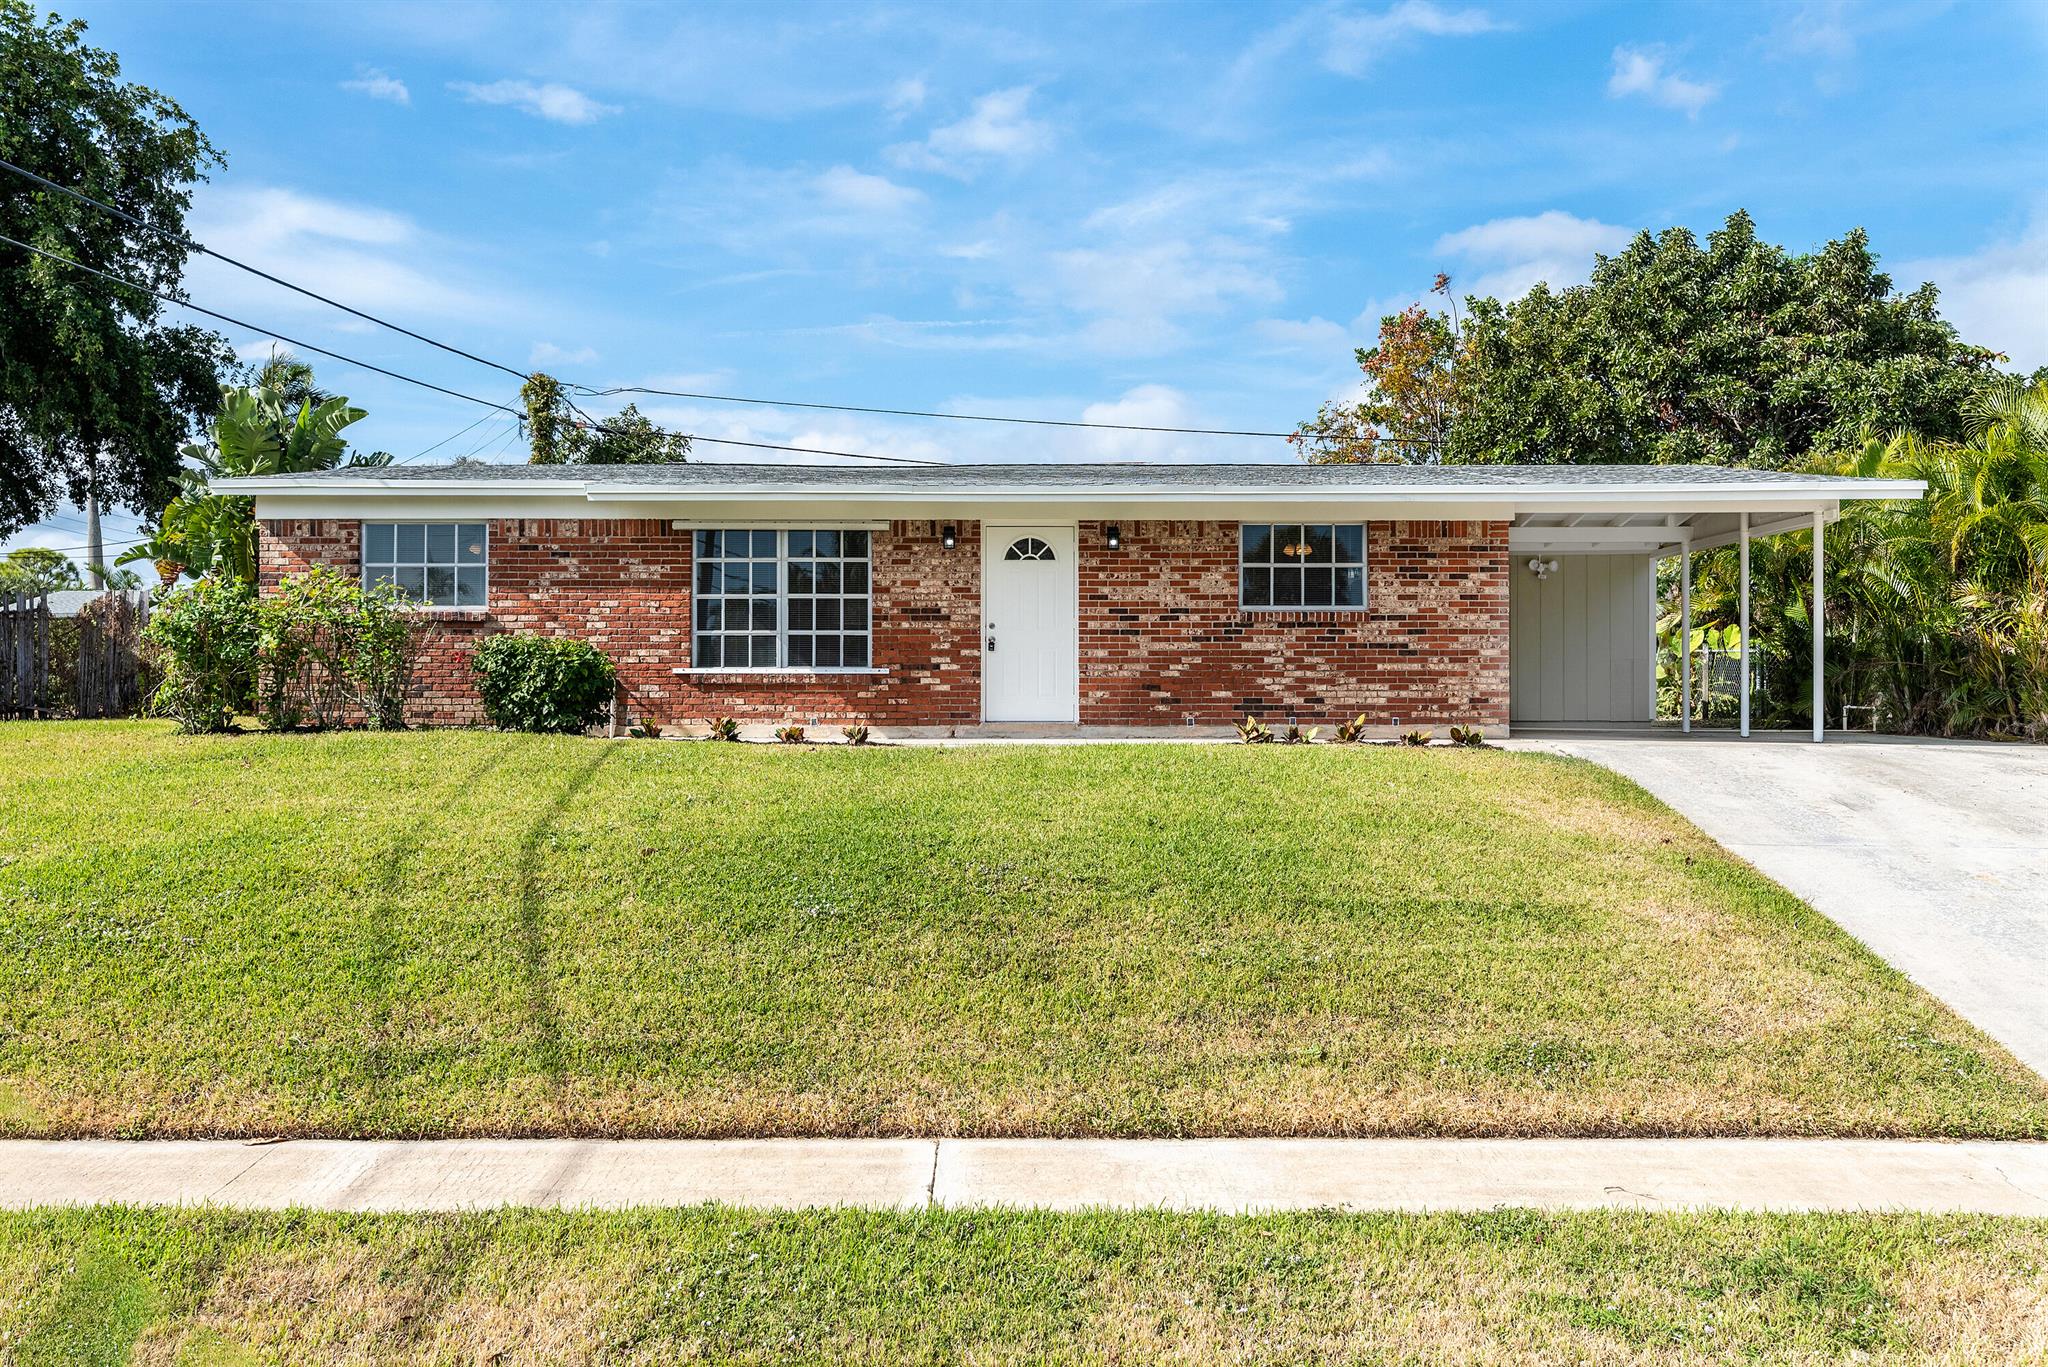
x,y
396,375
954,417
195,245
443,442
237,322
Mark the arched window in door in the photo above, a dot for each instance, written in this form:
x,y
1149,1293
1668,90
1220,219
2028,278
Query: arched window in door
x,y
1028,548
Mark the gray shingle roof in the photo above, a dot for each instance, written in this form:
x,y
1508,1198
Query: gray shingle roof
x,y
741,478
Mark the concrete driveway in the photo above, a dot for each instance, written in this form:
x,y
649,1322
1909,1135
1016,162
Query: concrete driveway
x,y
1933,853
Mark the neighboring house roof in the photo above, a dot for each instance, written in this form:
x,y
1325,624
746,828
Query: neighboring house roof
x,y
68,603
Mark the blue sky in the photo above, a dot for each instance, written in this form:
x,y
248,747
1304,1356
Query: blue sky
x,y
1179,214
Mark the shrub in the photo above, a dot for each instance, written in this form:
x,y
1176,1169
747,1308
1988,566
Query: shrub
x,y
551,684
330,645
722,728
1252,731
204,639
1296,736
790,735
1415,737
1351,732
1467,735
855,735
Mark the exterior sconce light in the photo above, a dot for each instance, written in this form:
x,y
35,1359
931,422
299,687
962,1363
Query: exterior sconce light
x,y
949,536
1541,568
1115,536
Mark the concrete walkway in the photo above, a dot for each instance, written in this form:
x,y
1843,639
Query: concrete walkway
x,y
1059,1174
1933,853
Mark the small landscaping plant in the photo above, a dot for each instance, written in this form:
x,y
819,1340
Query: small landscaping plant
x,y
204,638
1296,736
547,684
721,728
1252,731
790,735
855,735
1351,732
1467,735
1415,737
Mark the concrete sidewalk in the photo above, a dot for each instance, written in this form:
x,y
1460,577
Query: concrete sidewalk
x,y
1061,1174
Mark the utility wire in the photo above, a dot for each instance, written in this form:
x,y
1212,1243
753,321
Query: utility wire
x,y
954,417
237,322
194,244
396,375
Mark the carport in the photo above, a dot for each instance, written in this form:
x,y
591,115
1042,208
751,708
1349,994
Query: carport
x,y
1582,614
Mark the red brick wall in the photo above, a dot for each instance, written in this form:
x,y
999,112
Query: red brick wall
x,y
623,585
1163,637
1161,634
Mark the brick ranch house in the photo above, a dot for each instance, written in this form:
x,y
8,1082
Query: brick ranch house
x,y
1120,596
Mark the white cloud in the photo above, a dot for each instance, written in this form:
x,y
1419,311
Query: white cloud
x,y
556,103
1642,71
375,259
1136,293
1356,41
1514,253
547,353
842,187
905,97
1315,335
379,85
1997,296
998,128
1148,405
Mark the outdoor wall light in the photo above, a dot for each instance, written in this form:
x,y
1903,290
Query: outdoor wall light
x,y
1115,536
1541,568
949,536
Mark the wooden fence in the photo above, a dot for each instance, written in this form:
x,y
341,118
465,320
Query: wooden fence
x,y
24,655
90,665
107,673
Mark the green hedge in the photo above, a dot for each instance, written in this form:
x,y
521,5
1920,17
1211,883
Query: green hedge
x,y
543,683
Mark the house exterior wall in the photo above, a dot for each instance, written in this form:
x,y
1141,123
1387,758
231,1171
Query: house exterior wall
x,y
1162,638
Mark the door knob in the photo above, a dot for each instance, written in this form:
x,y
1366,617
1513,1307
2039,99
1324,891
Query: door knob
x,y
991,643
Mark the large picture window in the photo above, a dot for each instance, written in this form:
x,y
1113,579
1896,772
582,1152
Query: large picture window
x,y
795,599
1301,565
435,564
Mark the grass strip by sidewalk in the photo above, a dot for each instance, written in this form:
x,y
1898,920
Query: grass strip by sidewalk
x,y
467,933
711,1284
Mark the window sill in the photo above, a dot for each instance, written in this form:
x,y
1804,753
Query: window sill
x,y
431,610
765,673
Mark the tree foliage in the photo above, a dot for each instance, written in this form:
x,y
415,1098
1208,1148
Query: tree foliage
x,y
1412,395
36,570
555,684
97,390
560,433
1734,352
284,424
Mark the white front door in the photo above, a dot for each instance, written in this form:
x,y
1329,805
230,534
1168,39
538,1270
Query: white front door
x,y
1028,624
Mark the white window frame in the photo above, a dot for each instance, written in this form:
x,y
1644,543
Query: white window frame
x,y
1363,564
363,563
781,533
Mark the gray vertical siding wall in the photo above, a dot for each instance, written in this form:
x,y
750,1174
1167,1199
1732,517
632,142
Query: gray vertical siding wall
x,y
1579,640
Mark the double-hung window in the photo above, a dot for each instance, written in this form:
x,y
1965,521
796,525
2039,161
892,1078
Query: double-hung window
x,y
435,564
1301,565
790,599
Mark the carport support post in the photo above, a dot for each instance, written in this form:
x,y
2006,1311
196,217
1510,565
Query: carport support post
x,y
1819,628
1685,636
1745,623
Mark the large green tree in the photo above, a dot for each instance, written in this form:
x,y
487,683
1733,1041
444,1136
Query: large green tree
x,y
1736,352
97,388
37,569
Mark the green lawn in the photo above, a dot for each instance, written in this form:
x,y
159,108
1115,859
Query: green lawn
x,y
473,933
82,1288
